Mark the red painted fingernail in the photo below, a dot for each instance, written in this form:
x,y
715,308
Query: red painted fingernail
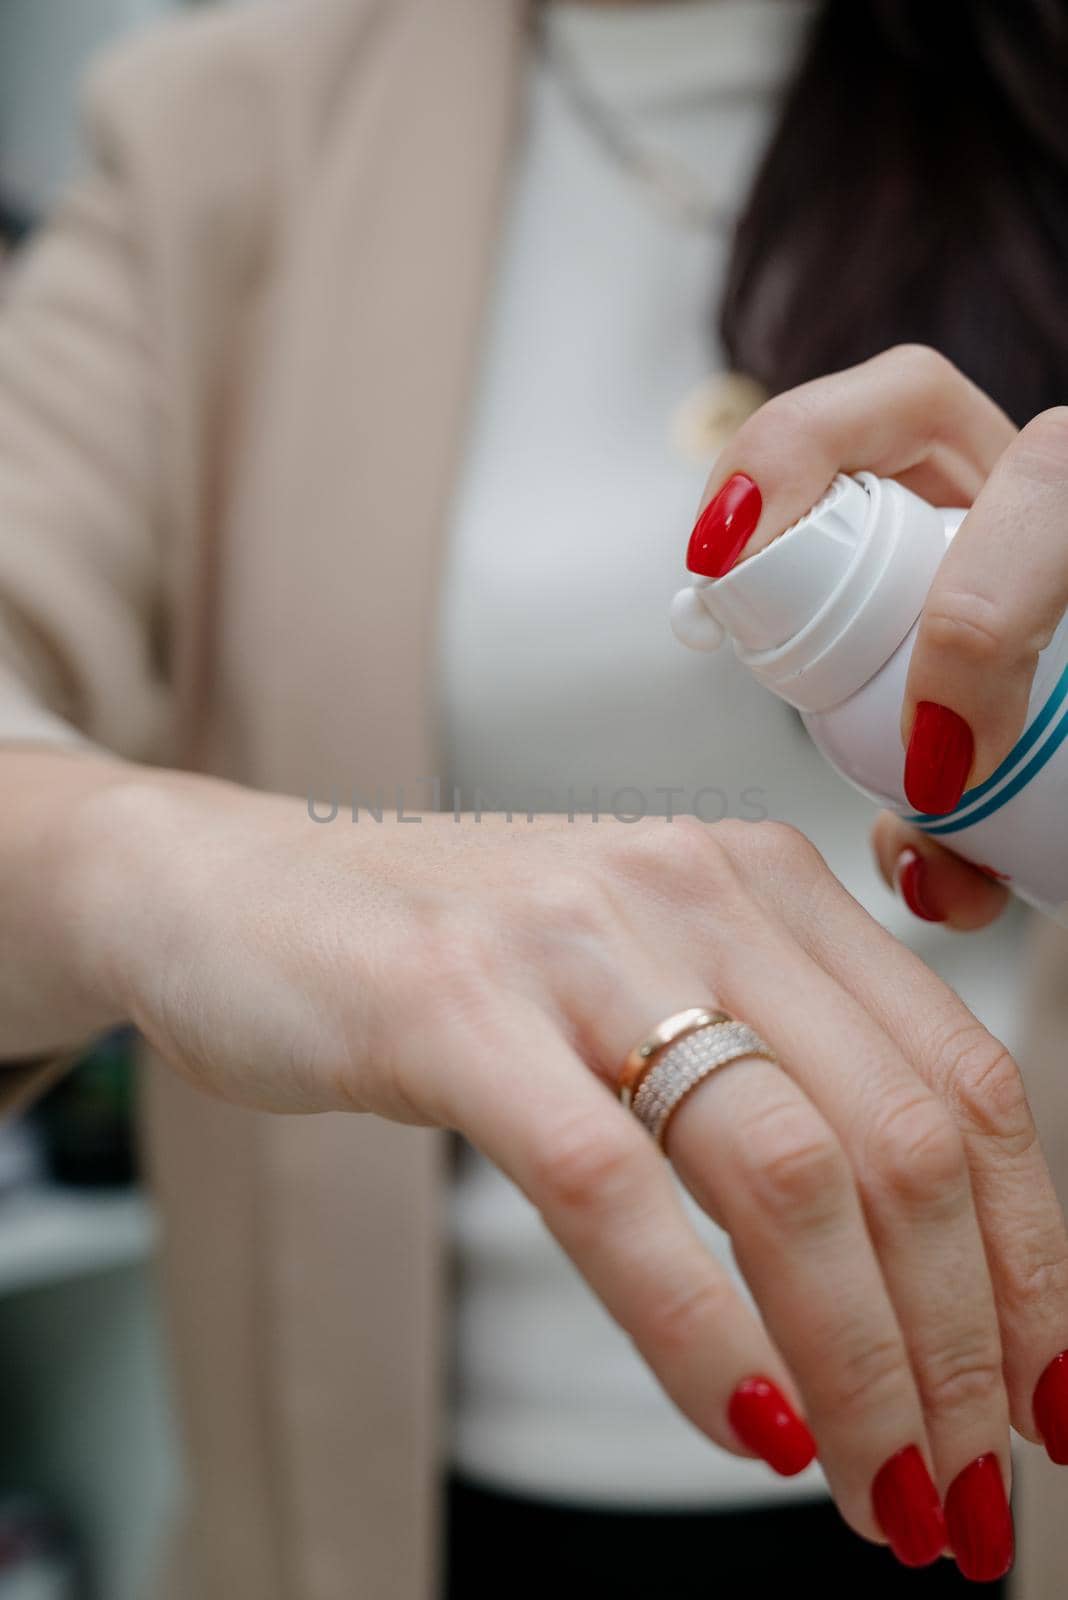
x,y
938,759
911,877
723,528
908,1510
1051,1409
979,1522
767,1424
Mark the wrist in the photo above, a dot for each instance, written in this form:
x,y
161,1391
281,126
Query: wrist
x,y
109,850
49,1002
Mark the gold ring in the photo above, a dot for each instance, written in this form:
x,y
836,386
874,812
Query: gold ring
x,y
678,1070
668,1032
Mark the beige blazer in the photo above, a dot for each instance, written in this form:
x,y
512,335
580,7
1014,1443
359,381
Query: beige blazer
x,y
234,384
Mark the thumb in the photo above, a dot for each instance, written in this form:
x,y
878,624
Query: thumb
x,y
996,601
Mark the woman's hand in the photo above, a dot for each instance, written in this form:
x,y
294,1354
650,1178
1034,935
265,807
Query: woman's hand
x,y
996,600
883,1187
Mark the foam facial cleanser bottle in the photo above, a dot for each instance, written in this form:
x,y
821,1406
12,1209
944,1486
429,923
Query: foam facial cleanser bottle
x,y
826,616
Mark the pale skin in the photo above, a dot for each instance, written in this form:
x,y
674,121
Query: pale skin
x,y
1002,589
883,1186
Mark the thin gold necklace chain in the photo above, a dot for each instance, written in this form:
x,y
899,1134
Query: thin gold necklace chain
x,y
671,187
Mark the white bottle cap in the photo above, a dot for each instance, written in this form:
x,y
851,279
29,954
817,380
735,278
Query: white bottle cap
x,y
817,612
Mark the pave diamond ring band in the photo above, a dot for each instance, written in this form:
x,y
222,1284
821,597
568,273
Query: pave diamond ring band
x,y
678,1055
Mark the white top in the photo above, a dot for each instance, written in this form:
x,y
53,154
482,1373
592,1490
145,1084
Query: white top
x,y
558,669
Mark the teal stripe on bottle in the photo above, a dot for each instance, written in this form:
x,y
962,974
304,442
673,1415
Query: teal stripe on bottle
x,y
957,819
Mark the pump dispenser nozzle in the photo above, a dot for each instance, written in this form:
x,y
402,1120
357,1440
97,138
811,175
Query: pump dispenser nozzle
x,y
816,613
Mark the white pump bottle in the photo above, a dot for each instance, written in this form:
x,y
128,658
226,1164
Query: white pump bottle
x,y
826,617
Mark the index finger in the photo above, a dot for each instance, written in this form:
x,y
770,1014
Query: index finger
x,y
906,414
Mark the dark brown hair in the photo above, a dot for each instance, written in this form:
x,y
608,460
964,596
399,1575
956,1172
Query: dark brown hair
x,y
916,189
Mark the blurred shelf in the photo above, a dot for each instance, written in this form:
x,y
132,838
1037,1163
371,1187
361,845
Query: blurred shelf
x,y
51,1234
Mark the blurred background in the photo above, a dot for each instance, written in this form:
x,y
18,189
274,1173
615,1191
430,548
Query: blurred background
x,y
88,1465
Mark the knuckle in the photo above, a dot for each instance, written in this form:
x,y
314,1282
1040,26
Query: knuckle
x,y
686,840
966,624
445,974
984,1085
1041,450
686,1321
927,368
776,868
586,1169
684,843
792,1166
683,856
868,1373
433,991
916,1153
968,1379
772,844
785,417
690,833
1038,1278
573,906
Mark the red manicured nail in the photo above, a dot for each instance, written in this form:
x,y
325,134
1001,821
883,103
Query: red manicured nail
x,y
767,1424
1051,1409
911,876
979,1522
908,1510
938,759
723,528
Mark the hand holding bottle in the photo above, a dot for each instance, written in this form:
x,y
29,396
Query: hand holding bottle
x,y
995,602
